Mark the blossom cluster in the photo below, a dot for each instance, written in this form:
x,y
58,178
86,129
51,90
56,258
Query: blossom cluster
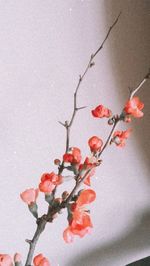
x,y
82,169
6,260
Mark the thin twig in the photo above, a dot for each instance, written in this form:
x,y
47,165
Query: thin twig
x,y
49,217
81,77
109,137
110,29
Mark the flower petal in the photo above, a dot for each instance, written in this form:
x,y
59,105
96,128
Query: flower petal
x,y
86,197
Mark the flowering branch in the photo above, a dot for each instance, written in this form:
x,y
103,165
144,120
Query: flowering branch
x,y
41,222
65,203
116,120
79,221
56,209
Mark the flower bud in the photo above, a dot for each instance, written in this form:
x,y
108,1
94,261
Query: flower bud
x,y
111,121
95,144
17,259
58,200
65,194
57,162
40,260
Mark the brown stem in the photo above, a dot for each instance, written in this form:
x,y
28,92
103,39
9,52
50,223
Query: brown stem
x,y
81,77
109,137
32,243
49,217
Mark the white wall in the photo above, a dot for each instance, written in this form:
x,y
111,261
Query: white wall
x,y
44,46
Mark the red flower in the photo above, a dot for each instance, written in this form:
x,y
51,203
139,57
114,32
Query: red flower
x,y
80,228
49,181
40,260
88,163
86,196
119,137
100,111
68,158
74,157
95,144
87,180
80,224
134,107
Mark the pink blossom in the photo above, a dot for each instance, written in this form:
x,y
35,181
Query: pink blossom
x,y
5,260
29,196
40,260
134,107
95,144
119,137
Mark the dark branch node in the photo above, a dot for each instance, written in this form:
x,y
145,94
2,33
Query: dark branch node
x,y
28,241
61,123
148,75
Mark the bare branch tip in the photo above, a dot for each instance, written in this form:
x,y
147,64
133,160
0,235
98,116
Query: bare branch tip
x,y
80,108
61,123
148,75
117,19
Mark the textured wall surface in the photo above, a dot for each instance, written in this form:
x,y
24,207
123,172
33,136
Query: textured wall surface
x,y
44,46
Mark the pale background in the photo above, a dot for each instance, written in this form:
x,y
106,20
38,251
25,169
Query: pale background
x,y
44,46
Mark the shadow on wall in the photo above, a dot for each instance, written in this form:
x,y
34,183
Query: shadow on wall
x,y
130,58
110,254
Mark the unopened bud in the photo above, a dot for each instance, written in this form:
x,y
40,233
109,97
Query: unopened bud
x,y
17,259
57,201
65,195
57,162
111,121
